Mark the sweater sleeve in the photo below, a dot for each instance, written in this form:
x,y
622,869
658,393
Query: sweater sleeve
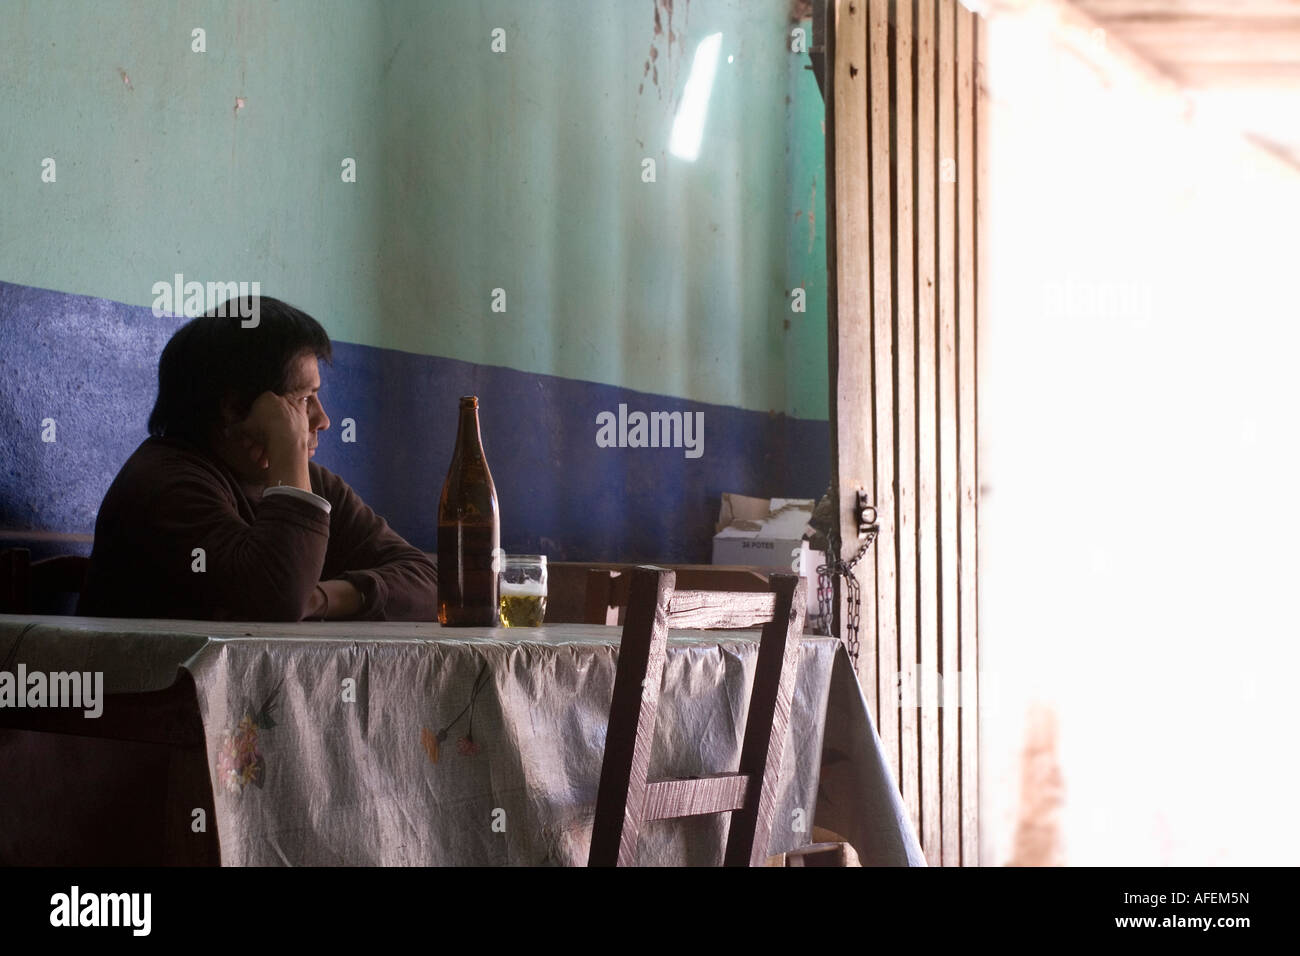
x,y
234,569
397,580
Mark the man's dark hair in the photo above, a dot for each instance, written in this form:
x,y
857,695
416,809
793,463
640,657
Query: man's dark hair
x,y
213,357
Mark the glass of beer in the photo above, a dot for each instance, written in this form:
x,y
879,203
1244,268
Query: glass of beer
x,y
523,590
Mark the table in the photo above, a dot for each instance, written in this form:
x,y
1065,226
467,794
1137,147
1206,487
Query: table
x,y
410,744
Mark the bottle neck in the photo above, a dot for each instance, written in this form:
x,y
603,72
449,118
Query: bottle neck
x,y
469,442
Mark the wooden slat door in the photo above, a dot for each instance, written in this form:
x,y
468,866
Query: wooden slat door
x,y
903,128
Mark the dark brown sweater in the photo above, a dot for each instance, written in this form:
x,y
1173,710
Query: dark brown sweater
x,y
262,557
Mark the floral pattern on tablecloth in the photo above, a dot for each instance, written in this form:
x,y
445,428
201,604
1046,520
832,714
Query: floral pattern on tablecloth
x,y
240,761
466,745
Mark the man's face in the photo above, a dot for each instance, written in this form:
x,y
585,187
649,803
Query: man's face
x,y
304,386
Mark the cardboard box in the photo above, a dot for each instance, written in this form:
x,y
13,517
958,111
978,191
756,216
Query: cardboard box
x,y
768,533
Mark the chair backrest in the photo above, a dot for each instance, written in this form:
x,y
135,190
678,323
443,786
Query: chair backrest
x,y
34,587
626,797
598,593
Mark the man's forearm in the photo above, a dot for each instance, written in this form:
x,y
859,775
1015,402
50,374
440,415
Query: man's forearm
x,y
335,599
410,589
266,570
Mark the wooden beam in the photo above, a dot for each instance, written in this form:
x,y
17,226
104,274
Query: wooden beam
x,y
982,124
1212,41
849,318
967,711
1174,10
927,478
909,777
882,278
1279,77
948,594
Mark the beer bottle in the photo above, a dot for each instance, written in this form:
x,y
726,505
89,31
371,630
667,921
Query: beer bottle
x,y
469,531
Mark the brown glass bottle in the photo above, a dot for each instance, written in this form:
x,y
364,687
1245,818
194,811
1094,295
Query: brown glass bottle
x,y
469,531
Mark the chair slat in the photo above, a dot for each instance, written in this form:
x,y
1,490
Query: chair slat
x,y
669,799
720,609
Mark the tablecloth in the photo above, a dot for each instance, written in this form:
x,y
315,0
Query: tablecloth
x,y
410,744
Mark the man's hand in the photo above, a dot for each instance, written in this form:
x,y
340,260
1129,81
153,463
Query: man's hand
x,y
277,438
334,599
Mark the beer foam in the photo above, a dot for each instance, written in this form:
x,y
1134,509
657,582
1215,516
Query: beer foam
x,y
528,588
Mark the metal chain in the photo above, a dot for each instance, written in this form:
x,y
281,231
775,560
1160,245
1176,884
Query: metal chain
x,y
867,531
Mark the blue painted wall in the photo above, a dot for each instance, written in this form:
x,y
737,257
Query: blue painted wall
x,y
90,365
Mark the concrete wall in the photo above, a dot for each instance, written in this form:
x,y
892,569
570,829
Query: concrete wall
x,y
475,170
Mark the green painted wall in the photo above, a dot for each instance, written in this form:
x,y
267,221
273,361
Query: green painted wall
x,y
807,389
476,170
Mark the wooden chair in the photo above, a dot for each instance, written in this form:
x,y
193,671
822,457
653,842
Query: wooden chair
x,y
149,824
626,798
34,587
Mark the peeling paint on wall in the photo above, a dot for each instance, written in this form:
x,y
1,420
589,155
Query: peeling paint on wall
x,y
663,27
812,216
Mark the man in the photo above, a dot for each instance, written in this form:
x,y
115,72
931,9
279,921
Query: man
x,y
220,514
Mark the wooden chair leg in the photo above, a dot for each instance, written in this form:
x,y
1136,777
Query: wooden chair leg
x,y
625,769
767,725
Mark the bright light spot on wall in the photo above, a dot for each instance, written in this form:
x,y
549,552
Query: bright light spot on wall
x,y
688,127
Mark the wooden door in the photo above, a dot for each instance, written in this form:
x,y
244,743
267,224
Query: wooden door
x,y
903,150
